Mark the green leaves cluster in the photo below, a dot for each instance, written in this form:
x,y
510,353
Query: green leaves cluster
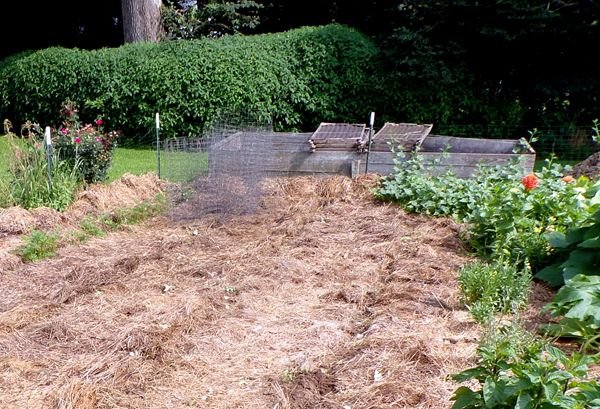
x,y
298,78
213,19
543,378
578,305
38,245
505,221
577,251
87,148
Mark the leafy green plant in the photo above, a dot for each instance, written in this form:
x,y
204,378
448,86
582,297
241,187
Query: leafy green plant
x,y
136,214
487,289
578,305
418,191
576,251
38,245
511,220
213,19
89,227
515,370
506,214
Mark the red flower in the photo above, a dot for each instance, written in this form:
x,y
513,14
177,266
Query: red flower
x,y
99,121
530,182
78,140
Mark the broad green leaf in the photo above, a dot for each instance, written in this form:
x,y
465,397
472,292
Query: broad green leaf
x,y
468,374
494,392
524,401
593,243
553,275
557,240
465,398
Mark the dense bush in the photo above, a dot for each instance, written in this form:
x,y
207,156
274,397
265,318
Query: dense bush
x,y
516,370
298,78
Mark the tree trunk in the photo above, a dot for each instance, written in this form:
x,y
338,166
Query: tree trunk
x,y
141,20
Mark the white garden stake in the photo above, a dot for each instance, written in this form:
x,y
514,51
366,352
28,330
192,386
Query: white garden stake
x,y
48,140
158,143
371,124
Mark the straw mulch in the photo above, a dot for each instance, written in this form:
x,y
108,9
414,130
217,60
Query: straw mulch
x,y
322,299
127,191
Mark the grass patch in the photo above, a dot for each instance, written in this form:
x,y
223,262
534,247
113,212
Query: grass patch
x,y
91,228
136,214
39,245
4,155
137,161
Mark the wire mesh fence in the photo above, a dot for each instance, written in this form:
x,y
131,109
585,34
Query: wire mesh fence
x,y
213,177
220,173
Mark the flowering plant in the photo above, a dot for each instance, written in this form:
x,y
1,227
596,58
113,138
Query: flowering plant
x,y
87,147
530,182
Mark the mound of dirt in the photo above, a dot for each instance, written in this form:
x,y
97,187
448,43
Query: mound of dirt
x,y
589,167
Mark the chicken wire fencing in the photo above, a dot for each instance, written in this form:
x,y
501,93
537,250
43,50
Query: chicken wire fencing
x,y
219,174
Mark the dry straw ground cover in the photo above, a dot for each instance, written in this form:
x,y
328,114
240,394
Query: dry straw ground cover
x,y
323,299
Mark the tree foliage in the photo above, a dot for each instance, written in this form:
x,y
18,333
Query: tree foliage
x,y
213,18
471,68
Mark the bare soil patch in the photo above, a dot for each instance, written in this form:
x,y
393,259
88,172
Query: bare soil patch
x,y
322,299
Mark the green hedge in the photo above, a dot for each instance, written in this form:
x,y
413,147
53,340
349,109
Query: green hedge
x,y
299,78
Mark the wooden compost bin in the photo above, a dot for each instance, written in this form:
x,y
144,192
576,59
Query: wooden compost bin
x,y
287,154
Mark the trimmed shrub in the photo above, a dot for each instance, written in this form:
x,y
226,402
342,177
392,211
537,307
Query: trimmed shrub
x,y
298,78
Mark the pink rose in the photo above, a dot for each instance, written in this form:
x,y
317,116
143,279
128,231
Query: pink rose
x,y
78,140
63,131
99,121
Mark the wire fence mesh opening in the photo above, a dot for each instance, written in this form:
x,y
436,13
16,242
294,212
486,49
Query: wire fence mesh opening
x,y
210,177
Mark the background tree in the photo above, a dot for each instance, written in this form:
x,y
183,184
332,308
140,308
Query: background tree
x,y
141,20
213,18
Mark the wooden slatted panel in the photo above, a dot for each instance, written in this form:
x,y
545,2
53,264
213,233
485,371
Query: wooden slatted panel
x,y
403,136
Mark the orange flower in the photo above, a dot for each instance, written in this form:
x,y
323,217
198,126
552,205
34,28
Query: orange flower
x,y
568,179
530,182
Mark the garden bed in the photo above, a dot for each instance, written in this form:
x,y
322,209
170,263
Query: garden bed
x,y
288,154
322,299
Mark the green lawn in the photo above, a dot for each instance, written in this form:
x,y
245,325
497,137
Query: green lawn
x,y
181,167
134,161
